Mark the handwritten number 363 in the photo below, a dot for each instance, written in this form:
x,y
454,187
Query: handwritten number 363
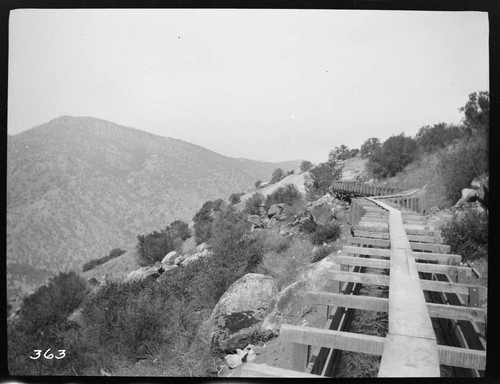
x,y
47,355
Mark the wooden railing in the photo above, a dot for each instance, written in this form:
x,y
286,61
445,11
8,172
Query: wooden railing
x,y
362,189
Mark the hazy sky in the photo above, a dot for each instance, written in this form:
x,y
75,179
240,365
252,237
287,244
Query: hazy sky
x,y
269,85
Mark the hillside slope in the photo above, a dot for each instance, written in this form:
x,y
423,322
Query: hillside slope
x,y
78,187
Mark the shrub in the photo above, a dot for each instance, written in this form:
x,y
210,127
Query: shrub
x,y
252,205
258,183
43,323
320,178
153,247
467,234
94,263
288,195
458,166
179,229
326,233
308,226
235,198
394,154
278,174
305,166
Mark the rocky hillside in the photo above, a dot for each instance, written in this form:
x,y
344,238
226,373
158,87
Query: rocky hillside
x,y
78,187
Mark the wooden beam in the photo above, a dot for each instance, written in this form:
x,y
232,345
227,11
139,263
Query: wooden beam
x,y
361,278
425,239
362,261
442,286
437,248
368,303
371,235
345,341
365,241
378,304
444,269
366,251
461,357
262,370
441,258
456,312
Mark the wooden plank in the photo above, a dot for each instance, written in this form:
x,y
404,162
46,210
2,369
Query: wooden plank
x,y
425,239
262,370
366,251
456,312
362,278
444,269
442,286
461,357
362,261
441,258
371,235
437,248
367,303
365,241
345,341
378,304
406,356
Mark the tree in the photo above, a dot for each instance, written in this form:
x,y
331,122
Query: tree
x,y
305,166
430,139
477,113
235,198
179,229
278,174
339,153
396,152
252,205
369,146
320,178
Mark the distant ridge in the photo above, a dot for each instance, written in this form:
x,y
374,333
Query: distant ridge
x,y
78,187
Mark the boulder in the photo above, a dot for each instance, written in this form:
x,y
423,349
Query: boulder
x,y
322,214
179,259
93,282
169,258
433,210
143,273
255,220
202,247
196,256
275,209
235,320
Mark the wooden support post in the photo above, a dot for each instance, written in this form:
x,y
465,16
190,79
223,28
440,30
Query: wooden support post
x,y
473,297
300,356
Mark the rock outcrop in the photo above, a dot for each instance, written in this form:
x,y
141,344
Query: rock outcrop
x,y
235,320
169,258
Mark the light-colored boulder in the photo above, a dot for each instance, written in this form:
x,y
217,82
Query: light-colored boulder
x,y
322,214
143,273
179,259
169,258
202,247
236,318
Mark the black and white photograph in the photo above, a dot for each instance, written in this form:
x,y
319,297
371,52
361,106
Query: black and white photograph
x,y
247,193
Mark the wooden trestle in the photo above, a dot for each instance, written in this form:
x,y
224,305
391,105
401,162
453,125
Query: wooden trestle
x,y
417,260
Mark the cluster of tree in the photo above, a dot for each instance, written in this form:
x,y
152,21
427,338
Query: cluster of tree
x,y
342,153
95,262
155,245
